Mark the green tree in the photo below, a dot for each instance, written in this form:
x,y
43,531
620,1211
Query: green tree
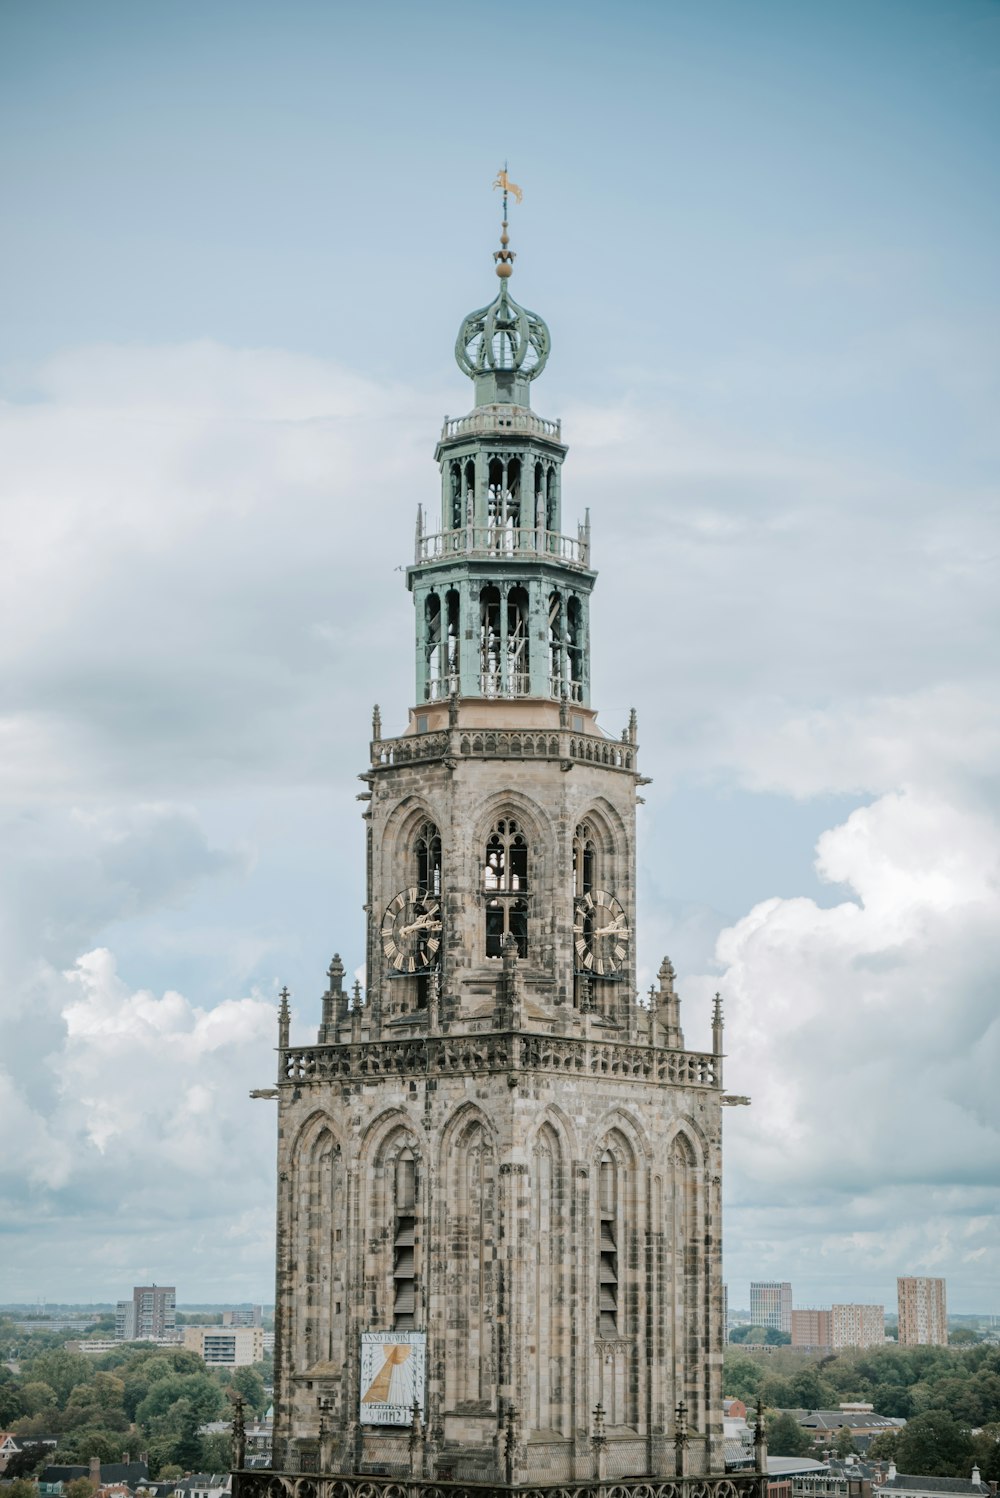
x,y
248,1383
843,1442
884,1446
21,1487
742,1378
934,1444
158,1413
29,1460
37,1397
90,1441
785,1436
217,1452
963,1336
61,1370
747,1334
80,1487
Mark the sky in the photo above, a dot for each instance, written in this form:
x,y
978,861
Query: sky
x,y
238,242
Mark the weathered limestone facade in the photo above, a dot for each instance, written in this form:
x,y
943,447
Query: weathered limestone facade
x,y
498,1145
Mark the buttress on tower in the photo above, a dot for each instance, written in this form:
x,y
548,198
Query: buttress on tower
x,y
499,1216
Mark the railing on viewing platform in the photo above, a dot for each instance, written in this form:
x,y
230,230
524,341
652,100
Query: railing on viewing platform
x,y
501,419
500,1051
397,1484
503,540
507,743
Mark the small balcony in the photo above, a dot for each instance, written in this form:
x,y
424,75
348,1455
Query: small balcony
x,y
504,541
501,418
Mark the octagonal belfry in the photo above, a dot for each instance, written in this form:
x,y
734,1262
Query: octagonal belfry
x,y
499,1210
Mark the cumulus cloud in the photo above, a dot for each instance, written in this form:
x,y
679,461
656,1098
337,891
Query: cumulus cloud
x,y
198,599
868,1034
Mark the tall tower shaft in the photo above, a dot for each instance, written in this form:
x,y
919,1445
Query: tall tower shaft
x,y
499,1218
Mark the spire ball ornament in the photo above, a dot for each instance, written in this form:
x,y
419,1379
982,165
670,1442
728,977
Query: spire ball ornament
x,y
504,346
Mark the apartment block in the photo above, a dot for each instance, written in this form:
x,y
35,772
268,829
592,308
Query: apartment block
x,y
226,1346
923,1311
857,1326
771,1304
811,1328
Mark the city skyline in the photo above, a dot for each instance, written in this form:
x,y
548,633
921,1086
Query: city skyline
x,y
764,245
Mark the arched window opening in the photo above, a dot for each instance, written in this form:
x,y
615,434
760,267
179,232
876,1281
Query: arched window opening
x,y
505,881
518,668
555,645
505,868
451,643
503,504
506,918
456,513
404,1272
584,860
428,852
574,648
432,647
489,642
607,1232
551,507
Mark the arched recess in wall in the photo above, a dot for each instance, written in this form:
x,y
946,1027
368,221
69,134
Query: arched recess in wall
x,y
318,1229
511,855
549,1373
393,1162
469,1169
619,1169
405,830
686,1272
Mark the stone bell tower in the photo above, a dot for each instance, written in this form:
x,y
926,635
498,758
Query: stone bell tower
x,y
498,1254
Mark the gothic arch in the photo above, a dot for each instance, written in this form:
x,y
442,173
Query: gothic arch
x,y
468,1218
402,828
530,813
319,1218
393,1161
621,1124
549,1277
563,1127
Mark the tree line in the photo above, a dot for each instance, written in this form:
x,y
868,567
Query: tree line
x,y
132,1401
949,1397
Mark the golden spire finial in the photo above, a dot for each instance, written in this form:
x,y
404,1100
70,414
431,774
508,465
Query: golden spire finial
x,y
504,257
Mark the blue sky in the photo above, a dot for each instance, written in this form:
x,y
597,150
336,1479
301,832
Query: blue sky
x,y
238,242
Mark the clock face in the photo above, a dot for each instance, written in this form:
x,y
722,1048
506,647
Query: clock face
x,y
600,933
411,930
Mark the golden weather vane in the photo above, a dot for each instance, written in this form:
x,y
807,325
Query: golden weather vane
x,y
504,257
508,187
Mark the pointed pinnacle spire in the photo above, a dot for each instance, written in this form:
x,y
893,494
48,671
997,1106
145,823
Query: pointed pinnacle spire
x,y
504,257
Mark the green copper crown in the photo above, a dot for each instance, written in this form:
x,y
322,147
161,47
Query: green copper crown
x,y
502,347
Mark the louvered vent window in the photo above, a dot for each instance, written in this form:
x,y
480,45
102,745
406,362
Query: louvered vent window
x,y
607,1289
404,1282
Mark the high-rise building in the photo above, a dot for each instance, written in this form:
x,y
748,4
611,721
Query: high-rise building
x,y
857,1326
244,1316
149,1315
923,1310
810,1328
771,1304
226,1346
499,1209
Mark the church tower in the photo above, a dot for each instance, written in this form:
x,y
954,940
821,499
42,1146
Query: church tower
x,y
499,1215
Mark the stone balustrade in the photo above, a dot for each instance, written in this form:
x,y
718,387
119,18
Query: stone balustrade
x,y
269,1484
498,1051
513,743
503,541
500,418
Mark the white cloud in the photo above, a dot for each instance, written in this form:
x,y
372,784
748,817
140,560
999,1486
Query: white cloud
x,y
868,1036
198,598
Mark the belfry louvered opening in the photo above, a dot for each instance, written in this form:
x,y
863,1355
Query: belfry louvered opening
x,y
404,1271
607,1288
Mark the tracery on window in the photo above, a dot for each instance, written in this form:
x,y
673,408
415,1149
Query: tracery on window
x,y
584,860
505,880
427,848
